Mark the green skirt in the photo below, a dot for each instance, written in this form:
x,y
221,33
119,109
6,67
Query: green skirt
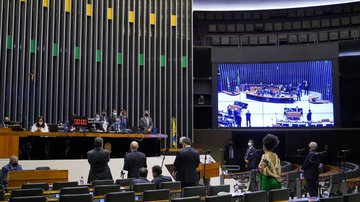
x,y
268,183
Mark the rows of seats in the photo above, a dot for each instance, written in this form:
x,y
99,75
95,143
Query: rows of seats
x,y
277,27
297,25
285,38
279,13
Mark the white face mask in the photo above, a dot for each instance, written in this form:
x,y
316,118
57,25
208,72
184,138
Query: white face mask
x,y
250,144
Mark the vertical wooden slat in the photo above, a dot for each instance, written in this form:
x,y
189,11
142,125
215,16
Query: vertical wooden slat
x,y
139,44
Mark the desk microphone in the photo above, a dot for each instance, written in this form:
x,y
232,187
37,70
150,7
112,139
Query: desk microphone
x,y
208,151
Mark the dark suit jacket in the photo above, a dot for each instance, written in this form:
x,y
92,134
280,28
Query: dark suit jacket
x,y
250,156
143,124
133,162
140,180
159,179
185,164
311,166
98,159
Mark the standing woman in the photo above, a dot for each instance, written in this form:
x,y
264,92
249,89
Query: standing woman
x,y
269,166
40,125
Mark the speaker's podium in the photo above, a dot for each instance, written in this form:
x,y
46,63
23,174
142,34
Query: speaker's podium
x,y
211,170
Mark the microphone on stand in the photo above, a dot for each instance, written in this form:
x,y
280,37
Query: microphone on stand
x,y
345,150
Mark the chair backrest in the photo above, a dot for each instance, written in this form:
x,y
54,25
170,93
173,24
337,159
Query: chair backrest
x,y
143,187
194,191
76,198
101,182
155,195
60,185
29,199
335,182
351,197
2,195
222,198
74,190
27,192
43,168
214,190
258,196
187,199
332,199
44,186
279,194
125,182
104,189
171,185
128,196
291,180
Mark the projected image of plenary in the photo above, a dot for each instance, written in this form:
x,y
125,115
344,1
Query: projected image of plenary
x,y
290,94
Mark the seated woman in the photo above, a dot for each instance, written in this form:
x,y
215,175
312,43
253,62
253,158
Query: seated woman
x,y
270,167
40,125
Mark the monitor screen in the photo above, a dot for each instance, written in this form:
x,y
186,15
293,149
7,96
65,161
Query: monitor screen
x,y
282,94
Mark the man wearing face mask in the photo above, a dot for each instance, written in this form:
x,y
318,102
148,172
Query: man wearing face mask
x,y
6,122
249,157
115,127
185,164
146,123
114,115
12,166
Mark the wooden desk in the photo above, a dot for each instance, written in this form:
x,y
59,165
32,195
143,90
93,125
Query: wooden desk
x,y
293,115
9,144
352,182
17,178
9,140
61,134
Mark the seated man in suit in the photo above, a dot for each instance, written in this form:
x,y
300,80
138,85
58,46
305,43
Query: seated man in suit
x,y
12,166
158,177
146,123
115,126
143,172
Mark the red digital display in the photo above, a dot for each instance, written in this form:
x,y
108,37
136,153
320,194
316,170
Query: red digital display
x,y
79,121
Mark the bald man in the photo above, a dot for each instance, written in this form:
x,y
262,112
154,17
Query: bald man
x,y
12,166
134,160
311,170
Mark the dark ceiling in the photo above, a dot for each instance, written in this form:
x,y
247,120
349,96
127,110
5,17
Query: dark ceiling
x,y
219,5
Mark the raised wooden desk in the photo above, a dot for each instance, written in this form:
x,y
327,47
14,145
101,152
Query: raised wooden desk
x,y
9,140
9,144
17,178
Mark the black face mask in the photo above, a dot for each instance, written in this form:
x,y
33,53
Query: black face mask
x,y
103,114
146,115
14,164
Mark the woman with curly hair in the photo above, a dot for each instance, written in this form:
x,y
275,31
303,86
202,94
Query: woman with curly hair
x,y
269,166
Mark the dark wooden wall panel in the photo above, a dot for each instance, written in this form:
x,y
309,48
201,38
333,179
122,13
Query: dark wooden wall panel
x,y
58,60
